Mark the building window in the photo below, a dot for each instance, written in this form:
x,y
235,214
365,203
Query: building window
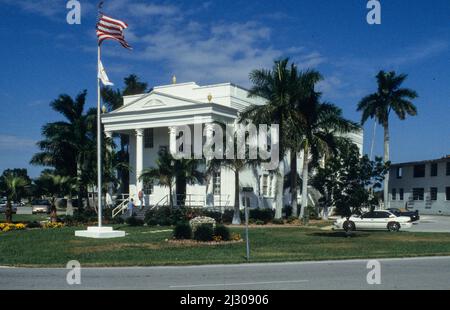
x,y
418,193
148,188
433,193
267,185
148,138
434,170
448,168
399,172
401,194
394,194
419,171
447,193
216,183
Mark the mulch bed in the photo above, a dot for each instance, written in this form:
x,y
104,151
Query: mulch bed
x,y
195,242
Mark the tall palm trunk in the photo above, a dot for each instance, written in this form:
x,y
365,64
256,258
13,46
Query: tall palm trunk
x,y
386,159
8,211
170,196
305,175
279,191
237,201
294,183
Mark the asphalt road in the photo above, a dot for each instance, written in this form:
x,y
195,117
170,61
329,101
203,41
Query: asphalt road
x,y
430,223
414,273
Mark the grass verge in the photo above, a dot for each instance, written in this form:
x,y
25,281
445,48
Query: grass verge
x,y
145,246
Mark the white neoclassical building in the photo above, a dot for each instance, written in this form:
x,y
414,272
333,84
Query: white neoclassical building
x,y
150,120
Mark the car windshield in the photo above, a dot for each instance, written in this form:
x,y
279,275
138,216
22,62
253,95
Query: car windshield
x,y
41,202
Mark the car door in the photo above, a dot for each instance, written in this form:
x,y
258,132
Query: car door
x,y
382,219
366,221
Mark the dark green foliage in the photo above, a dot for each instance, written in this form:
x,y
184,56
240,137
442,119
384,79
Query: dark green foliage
x,y
346,179
227,216
204,233
34,225
223,232
133,221
182,231
278,221
259,222
264,215
217,216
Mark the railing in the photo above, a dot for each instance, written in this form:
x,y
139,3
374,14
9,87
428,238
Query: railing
x,y
121,208
162,202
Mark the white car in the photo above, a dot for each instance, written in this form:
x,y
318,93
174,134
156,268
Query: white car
x,y
376,220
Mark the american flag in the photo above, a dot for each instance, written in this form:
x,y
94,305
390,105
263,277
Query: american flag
x,y
110,28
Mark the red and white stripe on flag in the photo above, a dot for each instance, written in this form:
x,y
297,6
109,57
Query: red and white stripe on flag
x,y
110,28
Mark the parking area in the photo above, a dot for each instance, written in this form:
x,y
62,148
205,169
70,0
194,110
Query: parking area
x,y
431,223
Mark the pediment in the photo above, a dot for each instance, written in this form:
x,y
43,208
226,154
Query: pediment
x,y
155,100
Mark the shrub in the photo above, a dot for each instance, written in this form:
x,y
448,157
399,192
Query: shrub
x,y
223,232
278,221
287,211
182,231
265,215
292,219
236,237
227,216
118,220
217,216
198,221
133,221
204,233
259,222
34,224
52,225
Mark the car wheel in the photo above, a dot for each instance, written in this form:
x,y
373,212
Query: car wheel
x,y
349,226
393,227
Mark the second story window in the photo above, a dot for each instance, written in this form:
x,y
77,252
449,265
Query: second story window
x,y
434,170
399,172
419,171
148,138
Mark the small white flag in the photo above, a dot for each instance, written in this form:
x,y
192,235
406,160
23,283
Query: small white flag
x,y
102,75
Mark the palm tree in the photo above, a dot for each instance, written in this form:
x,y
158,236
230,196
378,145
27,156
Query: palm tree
x,y
276,86
389,97
321,124
114,100
237,166
12,185
186,173
164,173
69,145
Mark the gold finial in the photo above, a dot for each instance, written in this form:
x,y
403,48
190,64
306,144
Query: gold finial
x,y
174,79
104,109
210,98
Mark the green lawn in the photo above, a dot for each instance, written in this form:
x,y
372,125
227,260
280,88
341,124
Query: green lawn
x,y
144,247
18,218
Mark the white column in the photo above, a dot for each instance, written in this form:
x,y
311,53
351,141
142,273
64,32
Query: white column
x,y
209,188
109,193
139,162
173,139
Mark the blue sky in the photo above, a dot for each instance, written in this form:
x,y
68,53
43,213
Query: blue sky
x,y
221,41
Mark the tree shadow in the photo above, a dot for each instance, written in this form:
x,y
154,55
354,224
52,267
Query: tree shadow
x,y
340,234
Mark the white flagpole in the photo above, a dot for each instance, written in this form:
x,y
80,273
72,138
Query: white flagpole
x,y
99,144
